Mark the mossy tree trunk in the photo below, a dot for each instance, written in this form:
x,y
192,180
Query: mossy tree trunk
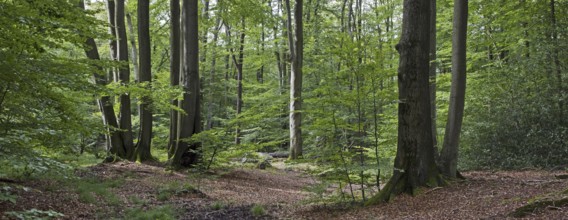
x,y
415,165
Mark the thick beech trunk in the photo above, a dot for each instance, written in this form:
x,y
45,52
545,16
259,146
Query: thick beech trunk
x,y
432,73
414,163
144,76
186,152
174,69
125,118
296,43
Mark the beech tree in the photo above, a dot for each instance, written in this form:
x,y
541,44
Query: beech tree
x,y
296,45
144,76
125,119
449,153
175,44
414,164
189,123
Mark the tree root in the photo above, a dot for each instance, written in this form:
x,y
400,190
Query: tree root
x,y
541,204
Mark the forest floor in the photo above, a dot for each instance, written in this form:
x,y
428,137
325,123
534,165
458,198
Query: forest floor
x,y
136,191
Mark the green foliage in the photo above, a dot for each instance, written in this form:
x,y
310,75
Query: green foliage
x,y
162,212
6,195
513,116
257,210
217,205
174,188
91,189
35,214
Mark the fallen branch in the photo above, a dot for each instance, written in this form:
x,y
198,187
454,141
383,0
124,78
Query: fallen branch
x,y
4,180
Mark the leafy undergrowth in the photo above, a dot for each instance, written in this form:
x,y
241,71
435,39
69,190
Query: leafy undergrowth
x,y
135,191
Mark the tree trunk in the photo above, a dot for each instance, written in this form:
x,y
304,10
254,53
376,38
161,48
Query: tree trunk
x,y
111,10
414,163
144,76
209,120
174,69
558,66
134,50
186,152
432,73
239,65
104,103
296,43
125,118
449,154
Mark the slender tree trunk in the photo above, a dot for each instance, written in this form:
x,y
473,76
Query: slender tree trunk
x,y
174,69
125,117
556,60
111,10
296,43
449,154
144,76
414,163
209,123
187,152
134,50
105,105
432,73
239,65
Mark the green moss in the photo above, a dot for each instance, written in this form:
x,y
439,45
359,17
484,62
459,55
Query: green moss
x,y
257,210
161,212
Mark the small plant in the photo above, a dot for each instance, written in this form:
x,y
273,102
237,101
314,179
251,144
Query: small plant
x,y
137,200
89,188
6,195
217,205
35,214
257,210
161,212
164,195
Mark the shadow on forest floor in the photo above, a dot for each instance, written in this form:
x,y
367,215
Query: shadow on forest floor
x,y
138,191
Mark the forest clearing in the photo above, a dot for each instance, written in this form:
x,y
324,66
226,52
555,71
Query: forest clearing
x,y
138,191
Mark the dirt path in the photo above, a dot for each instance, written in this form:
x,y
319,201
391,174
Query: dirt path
x,y
129,189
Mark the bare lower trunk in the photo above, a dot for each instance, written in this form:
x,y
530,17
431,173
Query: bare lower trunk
x,y
432,73
144,76
449,154
414,163
174,69
296,43
125,119
187,153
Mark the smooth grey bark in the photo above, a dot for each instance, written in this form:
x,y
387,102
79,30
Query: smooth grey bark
x,y
133,48
111,11
296,44
187,153
432,73
104,102
125,117
415,164
449,154
144,76
174,69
